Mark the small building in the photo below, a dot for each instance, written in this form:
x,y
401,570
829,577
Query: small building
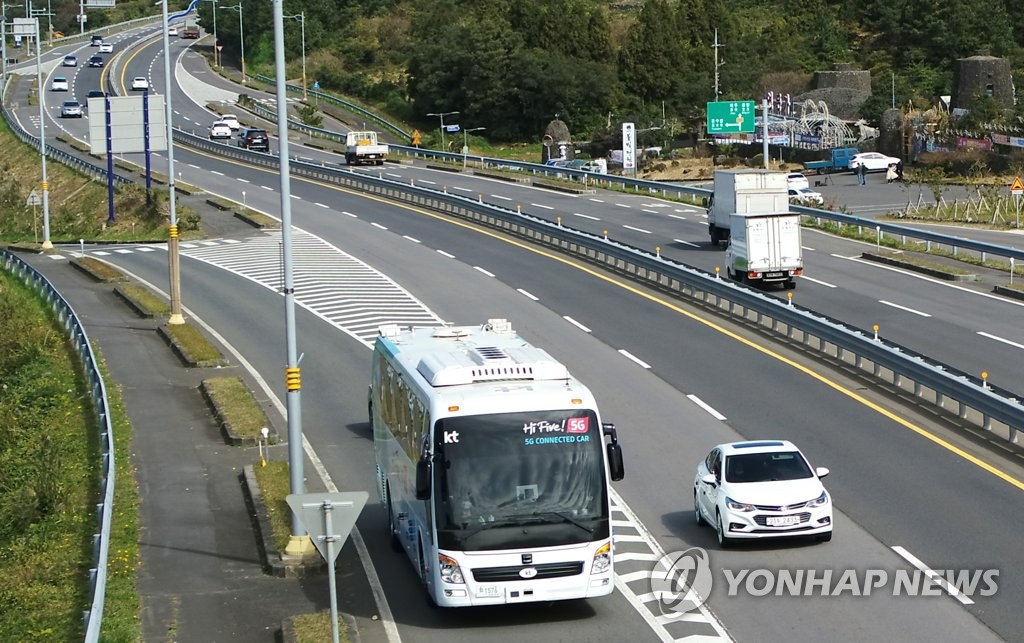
x,y
982,75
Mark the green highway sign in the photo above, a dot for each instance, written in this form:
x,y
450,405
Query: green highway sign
x,y
731,117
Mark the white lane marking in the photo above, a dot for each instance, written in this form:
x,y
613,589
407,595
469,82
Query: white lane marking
x,y
808,248
413,239
585,216
377,225
597,200
576,323
650,211
489,274
909,310
676,216
541,205
503,198
446,254
322,205
392,174
267,187
296,197
241,180
933,576
818,281
707,407
349,214
427,182
1000,339
636,359
629,227
686,243
216,172
462,189
525,293
194,167
623,205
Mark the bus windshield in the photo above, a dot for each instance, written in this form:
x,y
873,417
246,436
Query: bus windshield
x,y
516,480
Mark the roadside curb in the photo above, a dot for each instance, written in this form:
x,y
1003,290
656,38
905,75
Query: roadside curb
x,y
907,265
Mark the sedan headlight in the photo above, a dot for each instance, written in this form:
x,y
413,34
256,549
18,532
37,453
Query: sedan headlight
x,y
819,501
738,506
450,570
603,559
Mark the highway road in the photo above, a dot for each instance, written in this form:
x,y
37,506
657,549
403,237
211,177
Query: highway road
x,y
893,486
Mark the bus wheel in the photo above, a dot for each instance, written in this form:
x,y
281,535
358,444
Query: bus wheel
x,y
396,544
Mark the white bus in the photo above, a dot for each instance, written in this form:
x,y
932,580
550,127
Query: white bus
x,y
493,466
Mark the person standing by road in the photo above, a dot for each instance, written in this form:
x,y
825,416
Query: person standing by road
x,y
862,174
890,174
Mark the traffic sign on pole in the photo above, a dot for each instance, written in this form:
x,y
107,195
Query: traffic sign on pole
x,y
731,117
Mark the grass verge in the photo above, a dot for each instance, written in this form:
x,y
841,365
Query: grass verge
x,y
146,300
275,487
316,627
193,342
236,405
49,484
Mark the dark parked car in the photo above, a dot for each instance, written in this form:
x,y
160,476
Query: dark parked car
x,y
254,139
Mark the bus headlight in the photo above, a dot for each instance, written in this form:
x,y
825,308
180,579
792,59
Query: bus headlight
x,y
603,559
450,571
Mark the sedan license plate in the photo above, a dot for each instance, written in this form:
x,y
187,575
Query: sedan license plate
x,y
488,591
783,521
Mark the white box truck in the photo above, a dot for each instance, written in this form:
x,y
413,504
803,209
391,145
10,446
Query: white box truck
x,y
765,249
362,147
744,192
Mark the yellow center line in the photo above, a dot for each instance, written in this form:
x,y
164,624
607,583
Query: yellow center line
x,y
945,444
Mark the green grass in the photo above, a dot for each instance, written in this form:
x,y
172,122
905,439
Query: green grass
x,y
275,486
237,405
316,628
101,270
145,299
193,342
49,484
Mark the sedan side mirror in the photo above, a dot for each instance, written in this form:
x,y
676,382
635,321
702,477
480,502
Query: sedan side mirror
x,y
821,472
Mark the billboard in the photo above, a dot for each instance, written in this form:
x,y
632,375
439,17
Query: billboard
x,y
628,146
127,124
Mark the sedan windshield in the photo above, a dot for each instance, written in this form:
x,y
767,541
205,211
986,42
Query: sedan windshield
x,y
766,467
519,480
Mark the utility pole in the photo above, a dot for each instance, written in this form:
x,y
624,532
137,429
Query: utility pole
x,y
718,64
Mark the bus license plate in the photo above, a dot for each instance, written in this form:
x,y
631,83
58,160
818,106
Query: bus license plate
x,y
783,521
488,591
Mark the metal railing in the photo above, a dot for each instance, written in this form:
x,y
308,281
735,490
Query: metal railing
x,y
76,332
997,410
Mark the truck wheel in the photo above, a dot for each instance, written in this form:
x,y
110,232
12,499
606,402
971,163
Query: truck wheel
x,y
791,284
715,239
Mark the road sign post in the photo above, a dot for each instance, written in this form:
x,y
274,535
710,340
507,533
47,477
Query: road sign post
x,y
329,519
1017,190
731,117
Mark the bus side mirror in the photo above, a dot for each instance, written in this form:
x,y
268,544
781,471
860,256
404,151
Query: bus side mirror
x,y
706,202
423,479
615,467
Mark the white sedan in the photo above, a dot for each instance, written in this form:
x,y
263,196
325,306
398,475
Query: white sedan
x,y
872,161
220,129
139,83
106,48
59,84
805,196
762,489
796,180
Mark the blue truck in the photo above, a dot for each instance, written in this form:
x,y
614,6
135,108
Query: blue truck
x,y
839,160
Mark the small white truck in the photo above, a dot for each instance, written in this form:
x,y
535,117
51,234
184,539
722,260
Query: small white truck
x,y
362,147
750,211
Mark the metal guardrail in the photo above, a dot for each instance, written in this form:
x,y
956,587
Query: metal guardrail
x,y
334,100
75,37
76,332
997,410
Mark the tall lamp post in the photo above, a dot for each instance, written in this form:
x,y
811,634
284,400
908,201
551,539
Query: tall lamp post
x,y
216,53
173,259
301,17
442,115
465,143
241,35
47,244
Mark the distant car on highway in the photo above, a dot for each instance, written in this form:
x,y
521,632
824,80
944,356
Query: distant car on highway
x,y
762,489
805,196
172,31
59,84
139,83
873,161
96,40
253,138
232,121
71,109
106,48
95,61
95,93
220,130
70,60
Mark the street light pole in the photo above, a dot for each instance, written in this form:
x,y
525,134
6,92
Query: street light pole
x,y
47,244
173,258
442,115
216,53
241,35
465,143
301,17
